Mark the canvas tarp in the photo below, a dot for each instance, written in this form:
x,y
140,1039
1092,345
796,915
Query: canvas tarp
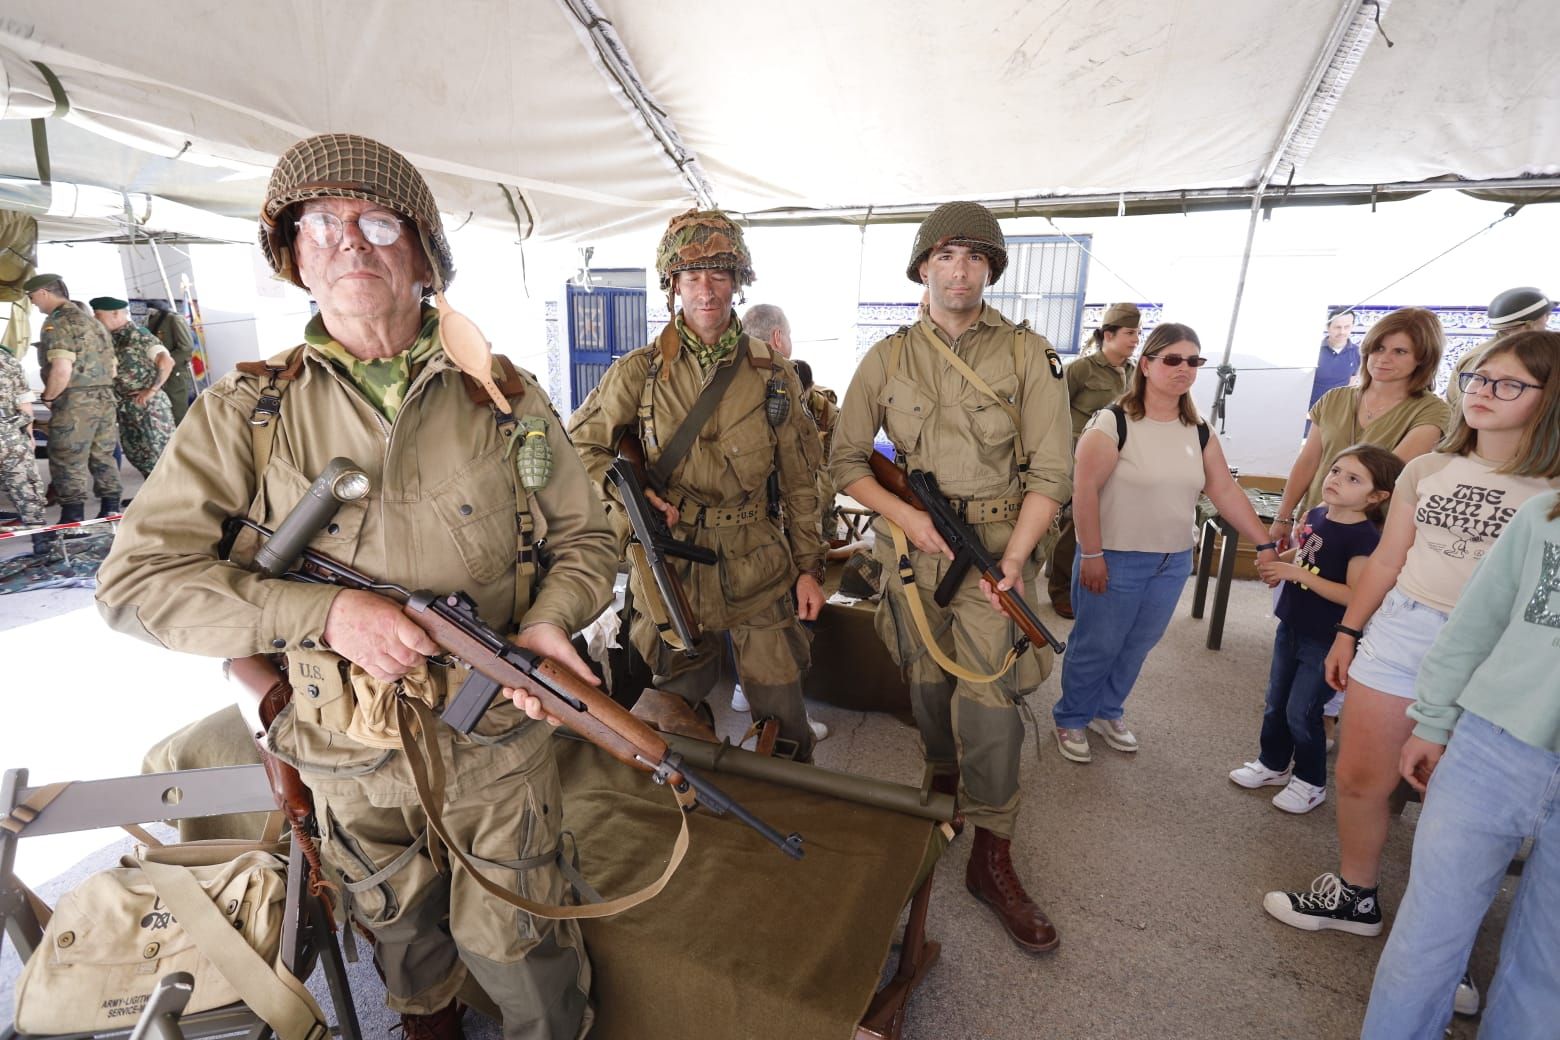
x,y
523,116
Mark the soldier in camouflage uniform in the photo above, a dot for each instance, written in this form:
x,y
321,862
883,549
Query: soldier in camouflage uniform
x,y
18,469
449,507
164,321
717,494
79,390
978,402
145,416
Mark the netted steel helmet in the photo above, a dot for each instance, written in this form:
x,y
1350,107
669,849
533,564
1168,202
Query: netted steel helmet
x,y
346,166
1518,306
961,224
701,240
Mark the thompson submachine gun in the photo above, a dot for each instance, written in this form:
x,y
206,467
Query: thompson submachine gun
x,y
452,622
919,488
651,544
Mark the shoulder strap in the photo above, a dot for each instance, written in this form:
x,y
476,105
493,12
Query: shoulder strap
x,y
759,355
1203,433
974,379
1121,425
698,416
509,383
896,352
263,418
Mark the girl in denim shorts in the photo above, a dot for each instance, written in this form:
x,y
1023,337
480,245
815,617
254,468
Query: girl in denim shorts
x,y
1447,510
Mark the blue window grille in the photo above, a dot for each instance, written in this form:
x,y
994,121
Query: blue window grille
x,y
1045,282
604,324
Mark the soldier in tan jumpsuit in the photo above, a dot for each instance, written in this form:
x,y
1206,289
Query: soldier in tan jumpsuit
x,y
1093,381
1009,481
718,494
354,223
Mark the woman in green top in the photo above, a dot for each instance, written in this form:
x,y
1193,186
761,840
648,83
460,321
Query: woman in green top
x,y
1394,406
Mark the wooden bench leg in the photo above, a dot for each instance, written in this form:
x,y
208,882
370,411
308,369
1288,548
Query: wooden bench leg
x,y
885,1017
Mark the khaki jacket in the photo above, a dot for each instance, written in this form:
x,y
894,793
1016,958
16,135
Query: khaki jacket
x,y
943,424
1093,384
441,515
726,470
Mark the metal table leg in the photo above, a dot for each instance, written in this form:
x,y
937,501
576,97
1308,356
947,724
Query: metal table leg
x,y
1204,567
1221,593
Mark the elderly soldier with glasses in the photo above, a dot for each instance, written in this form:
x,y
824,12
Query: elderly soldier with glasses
x,y
354,223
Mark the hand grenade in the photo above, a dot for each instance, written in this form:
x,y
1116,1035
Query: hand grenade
x,y
777,402
533,461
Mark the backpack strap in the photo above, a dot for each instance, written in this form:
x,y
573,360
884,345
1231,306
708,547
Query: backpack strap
x,y
1203,433
1121,425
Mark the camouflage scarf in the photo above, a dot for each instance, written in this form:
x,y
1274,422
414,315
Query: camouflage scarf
x,y
384,381
709,356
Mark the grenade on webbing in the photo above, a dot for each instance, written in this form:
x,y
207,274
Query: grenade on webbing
x,y
533,461
777,402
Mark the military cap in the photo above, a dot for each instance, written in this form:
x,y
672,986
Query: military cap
x,y
1516,306
703,240
107,303
962,224
347,166
38,281
1123,315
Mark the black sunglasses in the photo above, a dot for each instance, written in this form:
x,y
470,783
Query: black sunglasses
x,y
1176,360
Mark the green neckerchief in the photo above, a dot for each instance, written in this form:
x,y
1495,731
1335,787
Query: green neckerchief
x,y
710,356
384,381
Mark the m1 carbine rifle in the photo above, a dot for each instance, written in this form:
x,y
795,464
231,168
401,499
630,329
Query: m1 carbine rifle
x,y
919,488
453,623
650,546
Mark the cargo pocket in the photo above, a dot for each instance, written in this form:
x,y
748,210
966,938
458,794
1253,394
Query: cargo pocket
x,y
766,565
905,411
477,506
285,487
375,903
990,421
749,447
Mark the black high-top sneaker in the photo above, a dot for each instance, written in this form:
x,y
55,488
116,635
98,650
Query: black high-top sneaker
x,y
1331,903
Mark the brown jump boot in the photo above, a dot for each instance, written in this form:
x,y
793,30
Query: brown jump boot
x,y
991,879
948,784
443,1024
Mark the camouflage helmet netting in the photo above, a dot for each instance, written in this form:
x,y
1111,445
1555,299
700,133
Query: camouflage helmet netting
x,y
347,166
961,223
703,240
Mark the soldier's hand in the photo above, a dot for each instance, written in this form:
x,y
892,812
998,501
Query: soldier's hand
x,y
142,396
1013,578
918,527
371,632
809,597
667,509
552,643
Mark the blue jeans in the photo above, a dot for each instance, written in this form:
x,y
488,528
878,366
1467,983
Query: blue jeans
x,y
1115,630
1297,693
1489,792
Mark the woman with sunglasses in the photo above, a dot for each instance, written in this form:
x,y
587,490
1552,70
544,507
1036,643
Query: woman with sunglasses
x,y
1141,463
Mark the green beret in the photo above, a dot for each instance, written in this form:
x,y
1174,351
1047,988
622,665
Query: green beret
x,y
107,303
38,281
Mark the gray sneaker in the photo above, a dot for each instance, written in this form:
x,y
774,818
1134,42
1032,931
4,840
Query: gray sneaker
x,y
1466,1002
1116,733
1073,744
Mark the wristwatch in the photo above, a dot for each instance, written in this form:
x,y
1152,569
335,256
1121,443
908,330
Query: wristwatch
x,y
1353,633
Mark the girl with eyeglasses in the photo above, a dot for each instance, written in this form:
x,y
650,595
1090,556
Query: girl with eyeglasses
x,y
1447,510
1141,463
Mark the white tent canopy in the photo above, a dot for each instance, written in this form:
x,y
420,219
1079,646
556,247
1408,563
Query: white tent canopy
x,y
578,118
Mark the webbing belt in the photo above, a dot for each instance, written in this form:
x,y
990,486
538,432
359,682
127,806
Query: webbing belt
x,y
716,516
918,612
986,510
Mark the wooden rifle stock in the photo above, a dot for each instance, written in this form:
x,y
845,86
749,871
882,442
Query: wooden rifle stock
x,y
967,550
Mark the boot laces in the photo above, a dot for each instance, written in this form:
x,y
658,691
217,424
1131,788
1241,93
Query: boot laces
x,y
1326,893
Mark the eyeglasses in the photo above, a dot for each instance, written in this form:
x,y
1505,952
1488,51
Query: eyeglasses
x,y
1503,389
326,229
1176,360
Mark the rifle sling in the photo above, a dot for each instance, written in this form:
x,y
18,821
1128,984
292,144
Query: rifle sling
x,y
415,720
918,612
660,471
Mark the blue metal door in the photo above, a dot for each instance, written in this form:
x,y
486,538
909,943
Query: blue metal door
x,y
604,324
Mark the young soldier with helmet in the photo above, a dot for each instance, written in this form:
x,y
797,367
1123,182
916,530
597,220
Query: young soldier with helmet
x,y
353,222
717,413
980,403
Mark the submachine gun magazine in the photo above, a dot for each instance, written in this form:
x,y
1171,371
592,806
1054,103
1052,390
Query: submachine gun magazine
x,y
452,622
919,488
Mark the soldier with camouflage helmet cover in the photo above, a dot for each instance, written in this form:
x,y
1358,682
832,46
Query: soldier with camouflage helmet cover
x,y
353,222
980,403
716,494
78,387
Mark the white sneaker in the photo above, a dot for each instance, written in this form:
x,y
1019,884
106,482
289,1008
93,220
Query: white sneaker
x,y
1254,775
819,730
1299,797
1116,733
1073,744
739,701
1466,1002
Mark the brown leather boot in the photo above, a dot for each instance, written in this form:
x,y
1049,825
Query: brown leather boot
x,y
991,879
443,1024
948,784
